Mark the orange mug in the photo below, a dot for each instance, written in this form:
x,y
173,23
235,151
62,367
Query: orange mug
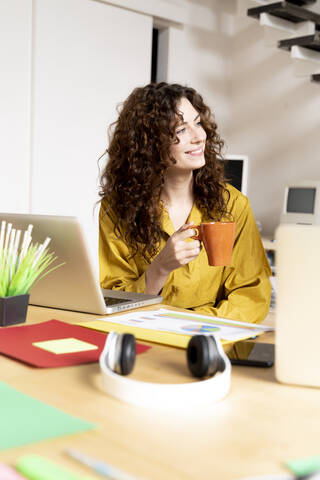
x,y
218,239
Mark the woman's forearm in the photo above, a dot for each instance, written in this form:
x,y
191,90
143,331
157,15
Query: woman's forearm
x,y
155,277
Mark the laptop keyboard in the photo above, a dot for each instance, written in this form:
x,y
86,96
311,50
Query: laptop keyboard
x,y
113,301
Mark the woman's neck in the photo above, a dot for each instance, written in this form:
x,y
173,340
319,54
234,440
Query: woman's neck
x,y
178,189
177,196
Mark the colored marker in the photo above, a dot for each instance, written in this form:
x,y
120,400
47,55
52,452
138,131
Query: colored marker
x,y
36,467
98,466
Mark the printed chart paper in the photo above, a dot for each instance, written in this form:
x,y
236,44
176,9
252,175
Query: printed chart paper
x,y
189,324
175,328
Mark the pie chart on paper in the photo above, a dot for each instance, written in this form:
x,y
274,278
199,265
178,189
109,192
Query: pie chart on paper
x,y
196,329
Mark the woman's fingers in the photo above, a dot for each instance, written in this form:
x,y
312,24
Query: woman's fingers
x,y
184,232
177,250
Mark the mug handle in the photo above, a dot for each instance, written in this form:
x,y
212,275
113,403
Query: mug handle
x,y
198,236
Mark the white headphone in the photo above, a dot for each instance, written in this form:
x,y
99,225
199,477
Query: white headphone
x,y
205,357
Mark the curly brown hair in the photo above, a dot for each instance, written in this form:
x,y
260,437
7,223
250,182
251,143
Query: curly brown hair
x,y
138,154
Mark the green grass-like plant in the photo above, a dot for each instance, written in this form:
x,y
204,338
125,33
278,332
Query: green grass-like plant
x,y
21,270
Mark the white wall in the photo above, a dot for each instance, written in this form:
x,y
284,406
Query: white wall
x,y
275,120
199,54
66,64
15,71
87,58
172,10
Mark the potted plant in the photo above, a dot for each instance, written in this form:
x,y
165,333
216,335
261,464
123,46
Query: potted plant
x,y
22,264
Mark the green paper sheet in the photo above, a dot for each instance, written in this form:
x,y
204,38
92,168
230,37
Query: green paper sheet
x,y
24,419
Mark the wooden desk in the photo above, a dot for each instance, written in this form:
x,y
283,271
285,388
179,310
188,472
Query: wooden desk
x,y
257,427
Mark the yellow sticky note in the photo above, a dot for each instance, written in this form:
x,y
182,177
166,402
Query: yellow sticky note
x,y
65,345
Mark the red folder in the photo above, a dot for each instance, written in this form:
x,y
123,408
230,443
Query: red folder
x,y
16,342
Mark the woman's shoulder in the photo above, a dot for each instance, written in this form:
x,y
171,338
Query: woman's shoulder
x,y
106,210
104,203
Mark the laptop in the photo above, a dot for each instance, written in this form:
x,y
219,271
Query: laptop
x,y
73,286
297,358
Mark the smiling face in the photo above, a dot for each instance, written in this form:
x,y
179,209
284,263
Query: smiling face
x,y
189,151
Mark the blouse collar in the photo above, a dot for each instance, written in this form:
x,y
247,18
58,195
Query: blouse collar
x,y
167,225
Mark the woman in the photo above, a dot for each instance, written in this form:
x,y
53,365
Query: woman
x,y
163,175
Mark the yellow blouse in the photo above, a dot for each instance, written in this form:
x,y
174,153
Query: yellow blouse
x,y
239,292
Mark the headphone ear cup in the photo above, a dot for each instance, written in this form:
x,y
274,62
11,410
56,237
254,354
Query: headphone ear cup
x,y
198,356
110,352
127,354
203,356
217,362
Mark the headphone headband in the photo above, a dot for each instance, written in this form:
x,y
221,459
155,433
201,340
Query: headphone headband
x,y
163,396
